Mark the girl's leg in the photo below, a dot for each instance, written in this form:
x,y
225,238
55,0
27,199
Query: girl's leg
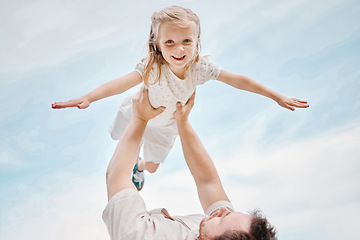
x,y
138,176
149,166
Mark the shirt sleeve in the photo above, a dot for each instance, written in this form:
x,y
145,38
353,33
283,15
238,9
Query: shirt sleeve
x,y
206,70
126,216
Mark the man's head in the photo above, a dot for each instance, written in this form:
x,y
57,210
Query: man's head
x,y
227,225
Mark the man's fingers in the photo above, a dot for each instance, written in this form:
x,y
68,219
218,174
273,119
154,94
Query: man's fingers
x,y
141,96
178,106
191,99
142,107
159,110
144,92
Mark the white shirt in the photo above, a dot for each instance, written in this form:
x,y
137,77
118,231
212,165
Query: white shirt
x,y
171,89
161,131
126,217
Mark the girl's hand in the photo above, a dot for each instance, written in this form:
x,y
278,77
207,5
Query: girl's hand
x,y
80,103
292,103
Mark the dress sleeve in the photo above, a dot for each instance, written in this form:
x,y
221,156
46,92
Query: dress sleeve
x,y
140,67
206,70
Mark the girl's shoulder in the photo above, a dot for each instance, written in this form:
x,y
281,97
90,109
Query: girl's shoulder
x,y
205,70
142,64
205,62
205,58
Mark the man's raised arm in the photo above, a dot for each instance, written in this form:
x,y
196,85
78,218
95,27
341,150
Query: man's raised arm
x,y
127,151
198,160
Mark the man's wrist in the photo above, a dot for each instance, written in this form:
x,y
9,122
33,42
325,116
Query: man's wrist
x,y
140,119
182,122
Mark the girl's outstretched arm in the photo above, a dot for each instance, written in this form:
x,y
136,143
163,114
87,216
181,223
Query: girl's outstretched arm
x,y
108,89
249,84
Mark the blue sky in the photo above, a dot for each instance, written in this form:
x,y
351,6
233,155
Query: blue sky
x,y
301,168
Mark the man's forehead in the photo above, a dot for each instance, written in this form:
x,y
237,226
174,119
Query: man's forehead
x,y
240,221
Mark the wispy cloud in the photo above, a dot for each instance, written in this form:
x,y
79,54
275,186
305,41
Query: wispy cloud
x,y
97,35
42,16
73,214
300,166
306,181
312,182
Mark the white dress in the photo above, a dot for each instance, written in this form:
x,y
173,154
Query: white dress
x,y
161,131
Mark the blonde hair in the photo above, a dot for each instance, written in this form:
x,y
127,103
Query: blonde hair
x,y
174,14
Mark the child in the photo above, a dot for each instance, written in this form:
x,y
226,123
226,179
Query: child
x,y
171,71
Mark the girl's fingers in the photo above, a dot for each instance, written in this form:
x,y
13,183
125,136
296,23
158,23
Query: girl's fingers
x,y
63,104
302,105
58,105
300,101
82,105
290,107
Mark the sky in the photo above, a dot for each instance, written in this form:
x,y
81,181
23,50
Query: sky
x,y
300,168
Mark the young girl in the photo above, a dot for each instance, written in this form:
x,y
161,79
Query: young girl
x,y
171,71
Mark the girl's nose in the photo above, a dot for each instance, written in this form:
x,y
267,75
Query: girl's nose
x,y
180,47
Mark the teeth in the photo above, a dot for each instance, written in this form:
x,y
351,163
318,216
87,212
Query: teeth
x,y
179,57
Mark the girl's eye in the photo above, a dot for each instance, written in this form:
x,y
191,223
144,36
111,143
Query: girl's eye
x,y
187,40
169,42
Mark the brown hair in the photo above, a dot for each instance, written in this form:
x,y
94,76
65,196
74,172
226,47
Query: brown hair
x,y
260,229
174,14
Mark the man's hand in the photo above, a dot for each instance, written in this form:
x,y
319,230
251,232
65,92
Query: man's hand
x,y
142,108
127,151
182,112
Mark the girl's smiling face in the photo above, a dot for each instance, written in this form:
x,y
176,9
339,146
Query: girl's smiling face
x,y
177,45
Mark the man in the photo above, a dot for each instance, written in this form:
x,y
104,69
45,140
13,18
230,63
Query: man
x,y
126,216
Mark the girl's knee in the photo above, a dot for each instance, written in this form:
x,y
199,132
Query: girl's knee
x,y
152,167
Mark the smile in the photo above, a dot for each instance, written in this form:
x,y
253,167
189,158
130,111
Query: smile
x,y
178,59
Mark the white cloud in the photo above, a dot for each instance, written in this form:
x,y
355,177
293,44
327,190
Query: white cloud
x,y
43,16
307,182
74,214
9,157
303,187
97,35
310,182
26,141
